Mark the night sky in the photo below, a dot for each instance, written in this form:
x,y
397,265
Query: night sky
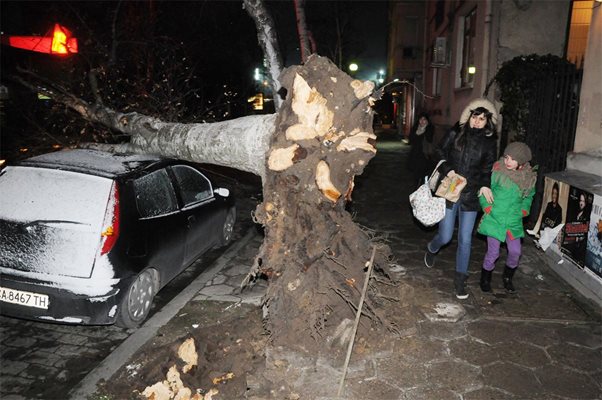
x,y
185,61
363,23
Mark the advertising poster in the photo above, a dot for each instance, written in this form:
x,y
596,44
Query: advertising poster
x,y
574,239
593,255
554,204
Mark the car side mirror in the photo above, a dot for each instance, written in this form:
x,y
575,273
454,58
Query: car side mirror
x,y
222,192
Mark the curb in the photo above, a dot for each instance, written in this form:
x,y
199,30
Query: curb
x,y
147,331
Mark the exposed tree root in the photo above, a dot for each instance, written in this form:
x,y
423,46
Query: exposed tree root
x,y
313,253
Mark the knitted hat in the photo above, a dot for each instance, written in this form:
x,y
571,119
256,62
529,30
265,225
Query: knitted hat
x,y
476,103
519,151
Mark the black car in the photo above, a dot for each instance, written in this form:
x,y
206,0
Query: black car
x,y
89,237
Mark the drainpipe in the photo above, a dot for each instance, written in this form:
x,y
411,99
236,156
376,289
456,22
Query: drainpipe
x,y
424,56
486,45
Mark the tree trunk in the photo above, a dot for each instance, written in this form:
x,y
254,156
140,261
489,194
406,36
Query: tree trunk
x,y
313,253
268,40
302,30
239,143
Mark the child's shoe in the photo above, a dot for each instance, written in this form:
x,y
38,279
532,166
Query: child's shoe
x,y
507,278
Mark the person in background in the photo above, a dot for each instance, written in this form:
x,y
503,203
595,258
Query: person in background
x,y
469,150
421,152
513,187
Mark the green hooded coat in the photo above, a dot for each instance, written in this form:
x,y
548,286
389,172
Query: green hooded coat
x,y
512,196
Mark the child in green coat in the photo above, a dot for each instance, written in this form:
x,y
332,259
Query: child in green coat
x,y
513,186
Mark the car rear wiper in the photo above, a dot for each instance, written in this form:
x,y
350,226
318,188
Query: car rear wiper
x,y
52,221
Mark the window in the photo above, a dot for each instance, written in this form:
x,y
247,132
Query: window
x,y
439,54
465,64
155,195
581,17
194,187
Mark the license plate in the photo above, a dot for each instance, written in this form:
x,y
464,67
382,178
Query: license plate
x,y
27,299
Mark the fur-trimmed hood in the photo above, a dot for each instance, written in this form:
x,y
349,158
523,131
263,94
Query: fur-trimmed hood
x,y
481,102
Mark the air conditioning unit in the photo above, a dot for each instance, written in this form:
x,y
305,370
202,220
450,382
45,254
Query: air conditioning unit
x,y
439,52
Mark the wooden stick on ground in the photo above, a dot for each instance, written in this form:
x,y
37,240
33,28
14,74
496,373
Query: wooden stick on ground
x,y
357,320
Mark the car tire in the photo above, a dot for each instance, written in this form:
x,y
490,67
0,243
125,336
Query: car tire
x,y
137,302
228,227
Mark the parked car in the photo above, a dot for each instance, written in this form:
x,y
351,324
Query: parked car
x,y
89,237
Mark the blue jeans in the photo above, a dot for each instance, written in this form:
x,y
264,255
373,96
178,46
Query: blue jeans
x,y
446,230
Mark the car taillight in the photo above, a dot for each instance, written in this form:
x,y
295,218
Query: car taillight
x,y
110,225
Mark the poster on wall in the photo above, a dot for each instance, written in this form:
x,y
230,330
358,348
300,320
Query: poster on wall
x,y
554,205
593,255
574,239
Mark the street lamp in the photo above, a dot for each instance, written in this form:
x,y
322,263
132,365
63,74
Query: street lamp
x,y
353,67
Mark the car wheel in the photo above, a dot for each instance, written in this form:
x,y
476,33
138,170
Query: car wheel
x,y
228,228
138,300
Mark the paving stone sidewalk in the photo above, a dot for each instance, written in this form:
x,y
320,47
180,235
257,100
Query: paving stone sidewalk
x,y
545,342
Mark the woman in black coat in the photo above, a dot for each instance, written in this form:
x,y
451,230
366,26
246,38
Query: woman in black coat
x,y
421,152
469,149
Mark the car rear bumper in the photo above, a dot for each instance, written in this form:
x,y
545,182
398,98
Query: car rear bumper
x,y
63,306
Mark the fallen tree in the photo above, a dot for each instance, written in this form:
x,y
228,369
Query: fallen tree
x,y
313,252
307,154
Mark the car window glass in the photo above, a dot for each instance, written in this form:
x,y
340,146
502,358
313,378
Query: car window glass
x,y
194,187
154,194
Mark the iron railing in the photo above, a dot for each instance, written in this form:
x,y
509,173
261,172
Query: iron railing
x,y
552,122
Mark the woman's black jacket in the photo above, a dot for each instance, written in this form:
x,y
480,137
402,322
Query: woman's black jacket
x,y
473,161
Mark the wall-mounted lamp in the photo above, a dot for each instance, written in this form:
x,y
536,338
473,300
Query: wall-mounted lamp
x,y
472,70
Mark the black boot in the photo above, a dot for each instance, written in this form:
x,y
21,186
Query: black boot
x,y
507,277
459,283
485,280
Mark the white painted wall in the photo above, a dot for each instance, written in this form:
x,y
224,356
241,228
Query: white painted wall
x,y
588,137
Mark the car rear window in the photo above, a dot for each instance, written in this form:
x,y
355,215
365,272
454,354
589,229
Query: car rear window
x,y
30,194
51,219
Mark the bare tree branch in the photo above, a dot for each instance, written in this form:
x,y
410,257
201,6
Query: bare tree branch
x,y
268,40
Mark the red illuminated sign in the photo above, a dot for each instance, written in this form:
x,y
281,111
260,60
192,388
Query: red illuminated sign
x,y
60,43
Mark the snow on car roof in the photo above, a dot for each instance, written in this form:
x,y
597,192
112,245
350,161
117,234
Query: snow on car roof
x,y
92,161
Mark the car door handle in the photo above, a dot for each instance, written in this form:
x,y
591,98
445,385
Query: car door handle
x,y
191,220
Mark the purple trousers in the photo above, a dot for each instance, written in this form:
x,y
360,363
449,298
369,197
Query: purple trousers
x,y
493,252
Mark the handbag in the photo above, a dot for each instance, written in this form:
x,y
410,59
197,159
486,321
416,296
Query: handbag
x,y
427,209
435,176
451,187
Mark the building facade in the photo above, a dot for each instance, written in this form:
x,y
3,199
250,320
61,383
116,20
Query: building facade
x,y
460,44
464,45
